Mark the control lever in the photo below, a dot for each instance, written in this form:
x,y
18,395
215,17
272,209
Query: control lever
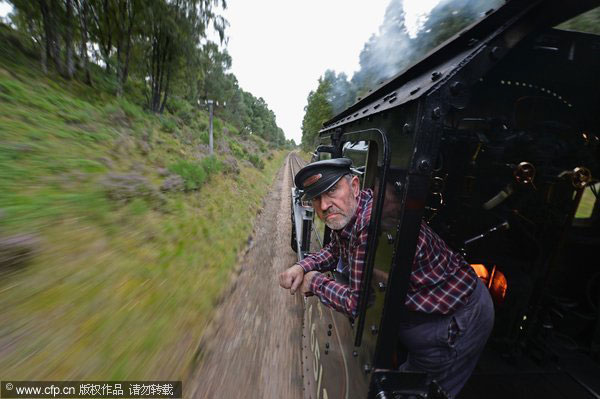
x,y
580,176
524,174
499,227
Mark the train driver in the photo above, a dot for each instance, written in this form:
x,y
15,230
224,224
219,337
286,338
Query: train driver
x,y
450,312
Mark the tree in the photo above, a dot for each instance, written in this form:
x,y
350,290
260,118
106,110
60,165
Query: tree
x,y
125,16
69,70
159,43
173,31
84,16
51,18
214,65
317,111
102,28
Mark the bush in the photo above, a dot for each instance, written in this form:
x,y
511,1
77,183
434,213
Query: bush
x,y
127,187
256,161
192,173
203,137
211,165
237,150
168,124
231,166
182,109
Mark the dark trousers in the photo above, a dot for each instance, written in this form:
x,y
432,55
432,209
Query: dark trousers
x,y
449,358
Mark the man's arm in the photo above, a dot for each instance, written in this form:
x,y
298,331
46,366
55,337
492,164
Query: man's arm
x,y
323,260
341,297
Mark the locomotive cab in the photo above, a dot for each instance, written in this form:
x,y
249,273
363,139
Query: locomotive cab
x,y
493,140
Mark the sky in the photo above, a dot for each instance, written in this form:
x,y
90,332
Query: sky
x,y
281,48
5,8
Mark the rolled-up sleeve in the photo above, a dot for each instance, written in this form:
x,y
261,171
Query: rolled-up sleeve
x,y
344,297
321,261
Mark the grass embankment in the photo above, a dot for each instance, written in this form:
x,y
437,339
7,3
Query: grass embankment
x,y
125,276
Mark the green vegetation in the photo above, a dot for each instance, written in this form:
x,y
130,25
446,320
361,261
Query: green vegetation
x,y
588,22
155,53
137,228
194,174
318,110
587,202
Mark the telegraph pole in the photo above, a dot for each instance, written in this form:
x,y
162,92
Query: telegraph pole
x,y
210,126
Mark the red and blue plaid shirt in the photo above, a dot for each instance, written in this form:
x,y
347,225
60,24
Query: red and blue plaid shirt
x,y
441,280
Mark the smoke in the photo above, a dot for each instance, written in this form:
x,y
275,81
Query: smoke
x,y
341,93
393,49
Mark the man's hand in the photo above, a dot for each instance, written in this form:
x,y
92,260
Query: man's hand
x,y
305,287
291,279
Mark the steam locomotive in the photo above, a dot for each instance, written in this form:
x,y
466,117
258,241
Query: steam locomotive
x,y
493,139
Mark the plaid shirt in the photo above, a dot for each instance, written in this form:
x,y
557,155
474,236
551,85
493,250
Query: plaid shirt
x,y
441,280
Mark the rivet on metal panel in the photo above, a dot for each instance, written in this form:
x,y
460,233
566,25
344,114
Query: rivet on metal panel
x,y
456,88
495,53
436,75
330,326
374,329
406,128
415,91
326,345
472,42
436,113
367,368
354,353
329,333
381,286
424,165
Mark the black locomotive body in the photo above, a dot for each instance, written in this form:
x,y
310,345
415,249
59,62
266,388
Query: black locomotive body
x,y
493,139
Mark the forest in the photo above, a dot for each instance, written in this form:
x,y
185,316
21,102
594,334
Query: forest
x,y
156,52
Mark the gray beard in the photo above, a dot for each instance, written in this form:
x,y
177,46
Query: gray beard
x,y
340,224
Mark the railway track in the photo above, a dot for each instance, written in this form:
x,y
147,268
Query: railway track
x,y
296,163
255,334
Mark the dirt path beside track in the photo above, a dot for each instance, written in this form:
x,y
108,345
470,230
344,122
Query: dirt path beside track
x,y
253,348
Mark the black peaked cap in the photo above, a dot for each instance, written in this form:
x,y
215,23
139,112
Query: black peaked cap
x,y
318,177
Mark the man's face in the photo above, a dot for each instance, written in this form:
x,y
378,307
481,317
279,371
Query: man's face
x,y
337,205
